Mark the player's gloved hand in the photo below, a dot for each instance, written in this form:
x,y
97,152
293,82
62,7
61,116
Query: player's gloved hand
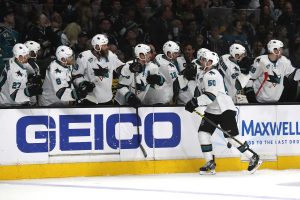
x,y
154,79
100,71
136,67
33,90
191,105
133,100
86,85
79,94
34,79
190,73
250,95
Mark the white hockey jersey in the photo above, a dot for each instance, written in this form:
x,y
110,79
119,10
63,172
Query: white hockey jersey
x,y
170,71
13,91
32,68
57,86
136,83
268,77
83,70
213,93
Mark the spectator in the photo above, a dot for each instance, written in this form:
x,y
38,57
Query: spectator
x,y
236,35
159,27
8,36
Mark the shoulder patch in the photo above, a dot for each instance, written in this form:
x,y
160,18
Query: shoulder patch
x,y
90,60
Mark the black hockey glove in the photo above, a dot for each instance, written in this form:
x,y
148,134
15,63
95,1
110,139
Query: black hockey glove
x,y
154,79
34,79
133,100
78,94
191,105
190,73
100,71
33,90
136,67
250,95
86,86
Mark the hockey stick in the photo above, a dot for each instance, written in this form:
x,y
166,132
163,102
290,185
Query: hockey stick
x,y
266,75
137,120
225,132
139,134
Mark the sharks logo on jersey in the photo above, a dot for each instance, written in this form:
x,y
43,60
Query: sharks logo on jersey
x,y
274,79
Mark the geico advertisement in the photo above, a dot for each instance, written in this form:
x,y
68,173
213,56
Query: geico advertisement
x,y
101,134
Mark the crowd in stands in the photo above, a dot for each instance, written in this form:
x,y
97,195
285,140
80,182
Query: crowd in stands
x,y
192,24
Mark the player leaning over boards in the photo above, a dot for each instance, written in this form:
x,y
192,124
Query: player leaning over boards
x,y
136,77
268,72
234,79
220,110
16,91
94,70
58,88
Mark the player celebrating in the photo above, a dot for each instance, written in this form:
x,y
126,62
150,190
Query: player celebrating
x,y
137,76
220,110
267,74
15,90
58,89
229,68
94,70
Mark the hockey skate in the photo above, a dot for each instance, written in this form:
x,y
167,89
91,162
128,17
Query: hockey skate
x,y
208,168
254,163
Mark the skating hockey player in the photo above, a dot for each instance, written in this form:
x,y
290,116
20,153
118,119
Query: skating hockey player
x,y
220,110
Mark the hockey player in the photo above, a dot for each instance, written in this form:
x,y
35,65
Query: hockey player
x,y
221,110
191,91
33,70
137,76
170,65
267,74
229,68
94,69
58,89
15,90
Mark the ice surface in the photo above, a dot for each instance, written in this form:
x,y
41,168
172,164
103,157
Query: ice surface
x,y
264,184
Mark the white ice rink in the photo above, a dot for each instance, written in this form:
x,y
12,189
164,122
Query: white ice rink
x,y
264,184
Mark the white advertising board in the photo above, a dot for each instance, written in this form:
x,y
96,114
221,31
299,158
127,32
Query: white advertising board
x,y
110,134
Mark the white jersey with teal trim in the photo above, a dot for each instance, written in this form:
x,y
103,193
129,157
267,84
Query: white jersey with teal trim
x,y
213,93
57,86
85,64
170,71
136,83
273,72
231,72
13,90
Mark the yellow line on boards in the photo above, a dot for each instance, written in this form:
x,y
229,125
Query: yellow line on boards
x,y
60,170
